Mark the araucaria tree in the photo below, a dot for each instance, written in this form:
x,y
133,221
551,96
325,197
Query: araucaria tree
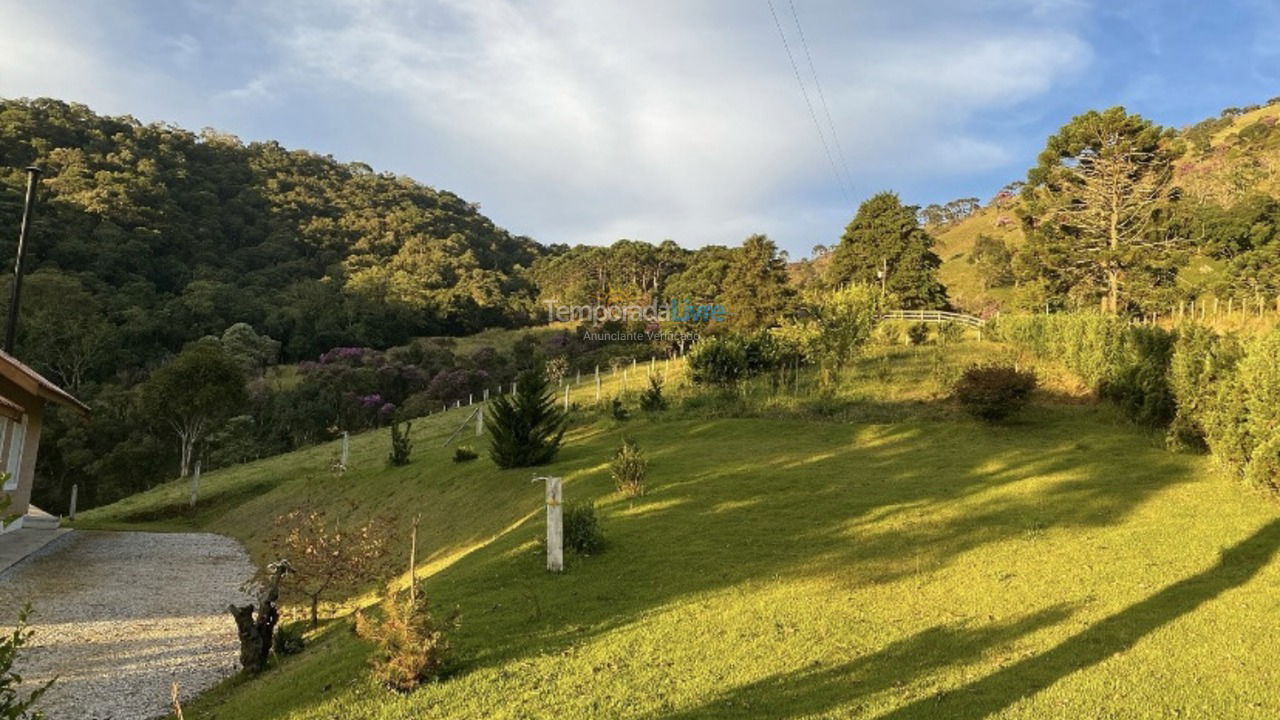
x,y
885,246
200,388
526,427
1094,206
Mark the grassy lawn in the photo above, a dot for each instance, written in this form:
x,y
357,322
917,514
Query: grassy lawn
x,y
792,564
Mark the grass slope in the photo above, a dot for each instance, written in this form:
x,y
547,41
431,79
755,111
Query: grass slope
x,y
1060,566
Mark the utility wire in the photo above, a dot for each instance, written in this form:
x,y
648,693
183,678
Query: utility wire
x,y
822,98
817,125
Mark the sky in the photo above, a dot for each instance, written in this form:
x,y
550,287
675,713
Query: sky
x,y
586,121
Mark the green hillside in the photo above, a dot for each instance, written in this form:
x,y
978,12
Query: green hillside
x,y
915,564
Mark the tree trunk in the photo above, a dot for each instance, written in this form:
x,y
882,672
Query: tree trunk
x,y
256,631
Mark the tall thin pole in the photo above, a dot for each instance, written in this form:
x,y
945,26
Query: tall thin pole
x,y
11,330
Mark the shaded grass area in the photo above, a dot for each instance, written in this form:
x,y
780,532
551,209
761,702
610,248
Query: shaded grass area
x,y
1061,566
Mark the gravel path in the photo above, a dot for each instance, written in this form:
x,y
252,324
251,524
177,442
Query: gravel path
x,y
119,616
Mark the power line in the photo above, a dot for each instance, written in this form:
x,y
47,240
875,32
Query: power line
x,y
812,114
822,98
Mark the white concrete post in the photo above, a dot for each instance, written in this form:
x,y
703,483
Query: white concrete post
x,y
566,398
555,524
486,394
597,383
653,364
346,448
480,420
74,491
469,399
195,484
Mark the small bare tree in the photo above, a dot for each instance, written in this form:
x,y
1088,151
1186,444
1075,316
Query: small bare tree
x,y
326,553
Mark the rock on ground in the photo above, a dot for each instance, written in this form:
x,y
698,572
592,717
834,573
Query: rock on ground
x,y
120,616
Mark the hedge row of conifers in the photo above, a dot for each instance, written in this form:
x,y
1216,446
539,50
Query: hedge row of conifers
x,y
1213,392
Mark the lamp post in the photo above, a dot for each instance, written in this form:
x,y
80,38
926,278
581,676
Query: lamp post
x,y
28,207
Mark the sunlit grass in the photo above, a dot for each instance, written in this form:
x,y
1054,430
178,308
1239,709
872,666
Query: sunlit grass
x,y
1059,566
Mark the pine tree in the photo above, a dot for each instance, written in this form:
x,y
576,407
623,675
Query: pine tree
x,y
527,427
755,286
885,236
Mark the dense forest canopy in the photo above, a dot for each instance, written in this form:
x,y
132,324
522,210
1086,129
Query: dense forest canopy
x,y
173,235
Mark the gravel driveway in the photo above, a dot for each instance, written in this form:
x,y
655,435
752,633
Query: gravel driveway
x,y
120,616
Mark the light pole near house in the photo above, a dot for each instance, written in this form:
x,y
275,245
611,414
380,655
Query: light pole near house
x,y
11,330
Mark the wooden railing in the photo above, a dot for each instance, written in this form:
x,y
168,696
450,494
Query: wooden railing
x,y
934,316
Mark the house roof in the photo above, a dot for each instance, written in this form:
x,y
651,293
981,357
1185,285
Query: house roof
x,y
34,384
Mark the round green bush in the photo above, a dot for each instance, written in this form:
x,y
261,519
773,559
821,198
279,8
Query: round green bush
x,y
994,392
1263,471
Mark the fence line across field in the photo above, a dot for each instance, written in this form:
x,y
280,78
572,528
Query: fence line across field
x,y
934,316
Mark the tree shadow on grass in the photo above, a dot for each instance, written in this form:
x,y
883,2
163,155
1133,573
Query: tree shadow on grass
x,y
895,665
858,505
1103,639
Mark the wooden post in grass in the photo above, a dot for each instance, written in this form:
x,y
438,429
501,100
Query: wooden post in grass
x,y
195,484
413,561
74,491
346,447
555,524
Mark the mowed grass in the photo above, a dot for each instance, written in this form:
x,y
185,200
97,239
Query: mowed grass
x,y
1060,566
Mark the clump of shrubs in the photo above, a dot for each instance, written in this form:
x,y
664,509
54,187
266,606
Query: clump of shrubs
x,y
652,399
1263,471
401,445
464,453
288,640
582,532
994,392
629,469
412,644
917,333
618,411
12,704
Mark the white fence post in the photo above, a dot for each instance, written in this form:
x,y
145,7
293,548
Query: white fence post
x,y
74,491
346,448
555,524
195,484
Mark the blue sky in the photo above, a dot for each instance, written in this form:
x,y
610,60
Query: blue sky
x,y
592,120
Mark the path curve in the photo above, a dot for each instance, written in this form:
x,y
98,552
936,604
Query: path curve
x,y
118,616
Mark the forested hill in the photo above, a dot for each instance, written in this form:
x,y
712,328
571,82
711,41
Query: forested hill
x,y
149,236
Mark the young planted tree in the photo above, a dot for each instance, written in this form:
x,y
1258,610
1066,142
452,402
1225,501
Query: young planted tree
x,y
327,552
201,387
834,326
527,427
1094,204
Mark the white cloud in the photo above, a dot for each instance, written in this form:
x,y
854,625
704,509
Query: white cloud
x,y
583,121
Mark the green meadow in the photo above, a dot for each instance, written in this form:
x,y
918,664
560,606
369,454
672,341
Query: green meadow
x,y
875,554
